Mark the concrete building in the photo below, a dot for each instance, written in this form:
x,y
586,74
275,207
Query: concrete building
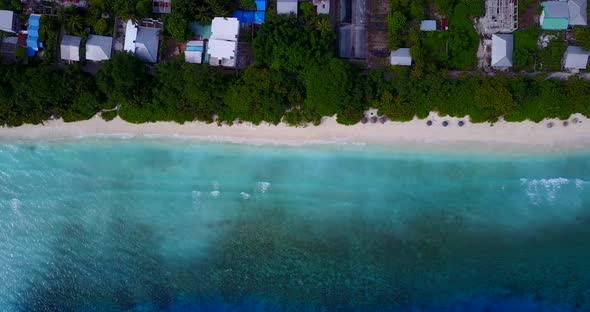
x,y
401,57
70,48
287,7
428,25
502,48
575,58
193,52
555,15
223,44
142,41
578,15
8,21
98,48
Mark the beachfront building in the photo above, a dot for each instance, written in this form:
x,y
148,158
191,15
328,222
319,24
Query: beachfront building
x,y
98,48
578,15
428,25
555,15
223,45
162,6
142,41
287,7
8,21
193,52
322,6
575,58
502,47
401,57
70,48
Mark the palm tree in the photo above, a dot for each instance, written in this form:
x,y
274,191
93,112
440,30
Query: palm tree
x,y
75,24
322,25
201,16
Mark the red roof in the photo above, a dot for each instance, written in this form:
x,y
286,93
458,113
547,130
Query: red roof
x,y
22,40
444,24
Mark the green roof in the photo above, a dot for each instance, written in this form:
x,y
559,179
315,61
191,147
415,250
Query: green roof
x,y
553,18
555,23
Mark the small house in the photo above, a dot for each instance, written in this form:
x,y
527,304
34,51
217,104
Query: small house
x,y
428,25
578,15
322,6
70,48
575,58
193,53
8,21
142,41
502,47
555,15
287,7
401,57
98,48
223,45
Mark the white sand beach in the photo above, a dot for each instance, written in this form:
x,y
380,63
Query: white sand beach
x,y
523,136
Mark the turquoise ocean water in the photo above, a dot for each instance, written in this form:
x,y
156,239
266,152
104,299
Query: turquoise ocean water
x,y
144,225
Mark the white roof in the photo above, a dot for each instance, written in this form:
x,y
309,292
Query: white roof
x,y
287,7
130,35
502,47
195,57
428,25
322,6
576,57
223,50
6,20
146,44
98,48
401,57
142,41
578,12
70,48
226,28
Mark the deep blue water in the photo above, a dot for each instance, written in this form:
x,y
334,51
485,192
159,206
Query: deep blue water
x,y
144,225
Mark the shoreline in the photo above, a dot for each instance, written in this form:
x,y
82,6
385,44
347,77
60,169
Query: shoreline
x,y
511,137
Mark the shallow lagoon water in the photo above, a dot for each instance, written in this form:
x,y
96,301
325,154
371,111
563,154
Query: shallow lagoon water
x,y
142,225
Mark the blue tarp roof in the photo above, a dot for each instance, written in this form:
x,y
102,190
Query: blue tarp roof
x,y
33,35
259,16
260,5
248,17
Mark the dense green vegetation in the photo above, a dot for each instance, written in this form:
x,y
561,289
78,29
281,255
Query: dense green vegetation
x,y
525,48
452,49
550,57
184,92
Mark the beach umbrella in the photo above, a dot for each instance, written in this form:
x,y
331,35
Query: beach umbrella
x,y
461,123
549,125
383,119
575,120
429,123
445,123
364,120
565,123
374,119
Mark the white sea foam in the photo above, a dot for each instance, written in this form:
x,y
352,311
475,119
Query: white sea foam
x,y
245,196
15,204
263,187
215,193
540,189
580,184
